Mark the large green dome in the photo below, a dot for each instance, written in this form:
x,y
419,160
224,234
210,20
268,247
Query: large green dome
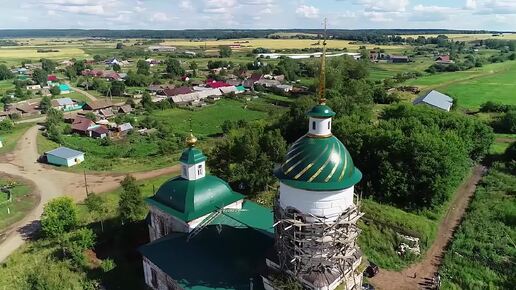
x,y
191,199
318,164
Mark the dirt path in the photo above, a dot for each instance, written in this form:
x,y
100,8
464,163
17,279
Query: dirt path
x,y
84,93
427,268
51,183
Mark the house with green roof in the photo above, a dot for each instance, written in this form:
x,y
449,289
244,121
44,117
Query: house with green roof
x,y
203,234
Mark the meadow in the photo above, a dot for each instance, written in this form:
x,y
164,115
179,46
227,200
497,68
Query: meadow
x,y
22,202
14,56
467,37
493,82
481,255
252,43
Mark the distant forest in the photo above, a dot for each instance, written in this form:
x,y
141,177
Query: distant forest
x,y
358,35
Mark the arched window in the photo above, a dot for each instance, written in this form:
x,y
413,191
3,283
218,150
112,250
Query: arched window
x,y
199,170
329,125
184,171
313,125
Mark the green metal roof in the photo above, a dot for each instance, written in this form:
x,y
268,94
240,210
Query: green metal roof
x,y
240,88
219,257
192,155
252,215
318,164
191,199
321,111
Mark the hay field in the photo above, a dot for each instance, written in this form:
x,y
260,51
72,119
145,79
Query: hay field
x,y
275,44
10,55
468,37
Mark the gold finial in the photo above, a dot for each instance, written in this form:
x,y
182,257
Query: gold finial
x,y
322,72
322,101
191,140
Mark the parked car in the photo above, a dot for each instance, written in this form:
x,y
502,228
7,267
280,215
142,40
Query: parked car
x,y
371,270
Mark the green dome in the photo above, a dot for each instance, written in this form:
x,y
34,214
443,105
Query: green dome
x,y
321,111
318,164
191,199
192,155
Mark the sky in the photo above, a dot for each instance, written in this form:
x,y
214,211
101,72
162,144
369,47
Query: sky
x,y
258,14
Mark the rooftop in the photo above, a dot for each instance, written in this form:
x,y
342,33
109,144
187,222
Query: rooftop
x,y
64,152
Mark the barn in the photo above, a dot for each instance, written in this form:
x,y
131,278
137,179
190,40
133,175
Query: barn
x,y
64,156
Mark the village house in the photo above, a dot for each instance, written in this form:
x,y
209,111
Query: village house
x,y
161,48
99,132
398,58
443,59
82,126
98,105
64,88
124,128
124,109
23,109
249,83
65,104
112,61
64,156
178,91
52,81
284,88
33,87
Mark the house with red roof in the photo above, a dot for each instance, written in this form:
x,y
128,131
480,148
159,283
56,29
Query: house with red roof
x,y
216,84
444,59
177,91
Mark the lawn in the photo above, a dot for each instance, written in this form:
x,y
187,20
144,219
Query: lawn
x,y
22,202
494,82
6,85
15,55
207,121
10,139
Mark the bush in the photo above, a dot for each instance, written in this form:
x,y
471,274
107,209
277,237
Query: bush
x,y
507,123
107,265
59,217
6,126
492,107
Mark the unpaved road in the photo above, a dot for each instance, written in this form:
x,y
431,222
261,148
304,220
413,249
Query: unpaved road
x,y
51,183
83,92
427,268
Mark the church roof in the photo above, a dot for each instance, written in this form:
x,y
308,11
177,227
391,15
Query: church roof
x,y
191,199
231,250
318,164
192,155
321,111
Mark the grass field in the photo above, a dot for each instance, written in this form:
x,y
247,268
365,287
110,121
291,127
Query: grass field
x,y
467,37
13,56
10,139
493,82
277,44
22,202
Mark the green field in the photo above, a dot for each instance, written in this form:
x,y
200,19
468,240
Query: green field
x,y
494,82
22,202
10,139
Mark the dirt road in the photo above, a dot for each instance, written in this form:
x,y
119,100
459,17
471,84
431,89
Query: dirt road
x,y
426,269
84,93
51,183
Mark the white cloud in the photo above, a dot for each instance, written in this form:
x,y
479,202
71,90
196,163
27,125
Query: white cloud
x,y
488,7
379,16
307,11
471,4
159,17
385,5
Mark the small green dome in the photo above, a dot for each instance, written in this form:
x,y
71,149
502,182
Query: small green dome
x,y
318,164
191,199
192,155
321,111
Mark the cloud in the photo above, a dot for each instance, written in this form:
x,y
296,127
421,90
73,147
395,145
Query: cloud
x,y
307,11
384,6
471,4
159,17
489,7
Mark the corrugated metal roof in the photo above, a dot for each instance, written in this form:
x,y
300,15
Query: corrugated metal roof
x,y
436,99
64,152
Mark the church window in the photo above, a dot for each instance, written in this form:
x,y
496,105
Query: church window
x,y
329,125
184,171
199,170
313,125
154,278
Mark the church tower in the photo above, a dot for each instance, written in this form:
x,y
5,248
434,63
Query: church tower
x,y
317,210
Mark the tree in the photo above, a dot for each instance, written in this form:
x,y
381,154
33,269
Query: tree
x,y
507,123
119,45
194,66
130,206
173,67
97,205
146,102
117,67
55,91
59,217
45,104
48,65
97,58
5,73
117,88
224,51
40,76
143,67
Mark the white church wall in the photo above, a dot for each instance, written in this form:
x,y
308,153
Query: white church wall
x,y
320,127
328,204
193,171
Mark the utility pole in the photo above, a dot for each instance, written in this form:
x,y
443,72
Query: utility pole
x,y
86,183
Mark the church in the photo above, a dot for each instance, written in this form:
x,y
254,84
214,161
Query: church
x,y
204,235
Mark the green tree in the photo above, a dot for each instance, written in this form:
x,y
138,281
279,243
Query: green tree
x,y
194,67
48,65
40,76
131,206
173,67
117,88
97,58
59,217
143,67
5,73
117,67
146,102
224,51
507,123
45,104
97,205
119,45
55,91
